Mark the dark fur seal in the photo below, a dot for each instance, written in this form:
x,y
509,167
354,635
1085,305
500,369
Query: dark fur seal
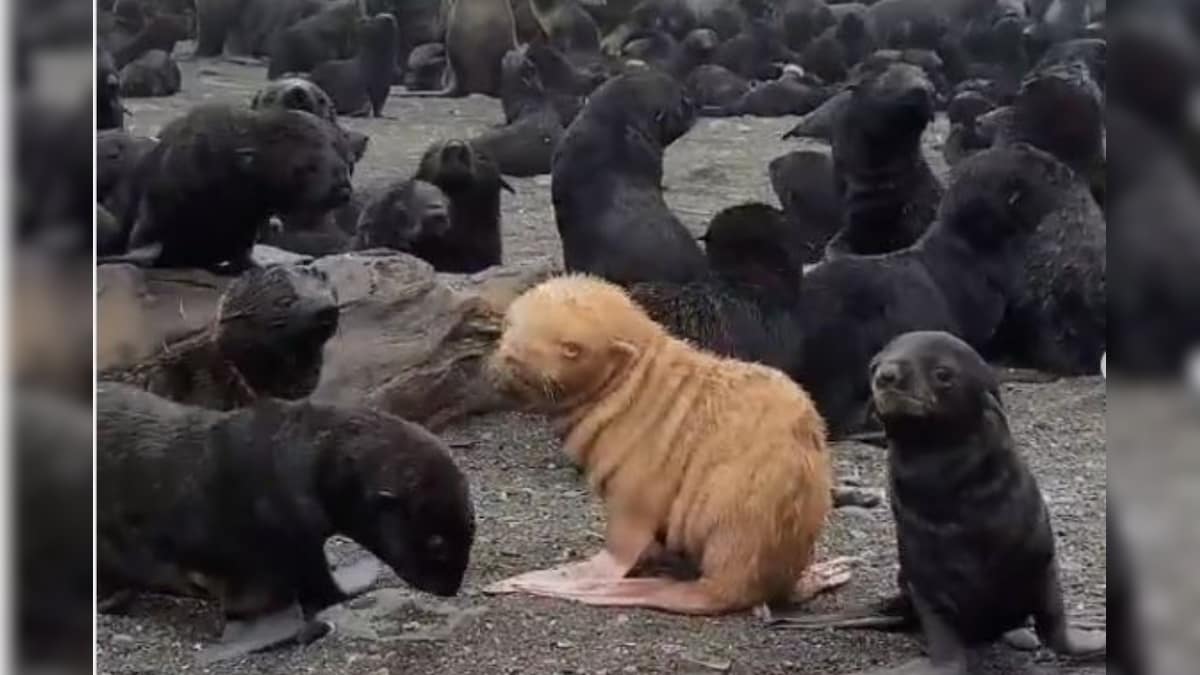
x,y
1058,320
219,172
361,85
713,86
425,67
607,184
889,193
792,93
478,35
330,34
110,113
525,145
152,75
975,542
567,26
960,277
408,216
267,339
803,182
246,27
747,306
118,154
160,33
297,93
236,506
470,179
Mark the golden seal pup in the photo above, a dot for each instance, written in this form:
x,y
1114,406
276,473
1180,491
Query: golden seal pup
x,y
703,462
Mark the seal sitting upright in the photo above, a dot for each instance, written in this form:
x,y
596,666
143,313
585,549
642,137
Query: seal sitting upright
x,y
976,547
705,464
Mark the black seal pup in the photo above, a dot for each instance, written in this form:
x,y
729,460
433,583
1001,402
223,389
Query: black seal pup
x,y
268,339
110,113
472,182
525,145
329,34
975,542
567,26
408,216
889,193
360,86
792,93
478,33
237,506
747,306
607,184
803,182
960,277
219,172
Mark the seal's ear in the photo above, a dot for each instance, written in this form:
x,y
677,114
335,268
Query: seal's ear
x,y
991,399
625,349
504,184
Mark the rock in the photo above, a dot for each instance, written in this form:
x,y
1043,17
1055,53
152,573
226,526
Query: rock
x,y
407,342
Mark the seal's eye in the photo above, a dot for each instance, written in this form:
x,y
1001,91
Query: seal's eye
x,y
571,350
436,543
943,375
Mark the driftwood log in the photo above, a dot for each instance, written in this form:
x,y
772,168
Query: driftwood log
x,y
409,341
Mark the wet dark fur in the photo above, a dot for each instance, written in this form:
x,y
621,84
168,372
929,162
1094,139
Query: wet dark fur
x,y
790,94
803,182
1058,321
525,145
310,231
327,35
746,307
959,277
607,184
470,179
889,193
267,340
153,74
362,84
220,171
237,506
110,113
408,216
712,86
118,154
976,546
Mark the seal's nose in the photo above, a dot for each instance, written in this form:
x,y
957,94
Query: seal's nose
x,y
888,376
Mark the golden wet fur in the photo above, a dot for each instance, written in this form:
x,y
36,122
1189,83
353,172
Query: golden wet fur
x,y
724,461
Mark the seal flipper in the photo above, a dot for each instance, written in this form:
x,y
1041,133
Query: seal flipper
x,y
893,614
1053,629
357,577
143,256
247,636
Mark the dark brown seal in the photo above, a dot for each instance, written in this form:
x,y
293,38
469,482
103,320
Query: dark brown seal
x,y
237,506
268,339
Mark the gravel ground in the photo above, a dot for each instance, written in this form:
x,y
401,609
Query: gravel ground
x,y
533,511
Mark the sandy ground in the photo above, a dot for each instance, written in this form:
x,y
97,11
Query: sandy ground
x,y
533,511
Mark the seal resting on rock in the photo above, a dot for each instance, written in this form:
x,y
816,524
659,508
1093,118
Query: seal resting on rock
x,y
975,541
220,171
716,464
268,339
238,505
607,184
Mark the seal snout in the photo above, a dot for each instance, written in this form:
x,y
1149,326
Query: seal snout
x,y
890,375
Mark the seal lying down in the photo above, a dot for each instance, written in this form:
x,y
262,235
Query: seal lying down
x,y
236,506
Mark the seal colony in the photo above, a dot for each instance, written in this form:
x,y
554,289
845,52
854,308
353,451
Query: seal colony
x,y
698,382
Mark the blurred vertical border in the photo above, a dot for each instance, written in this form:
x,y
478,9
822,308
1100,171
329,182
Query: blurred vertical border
x,y
48,67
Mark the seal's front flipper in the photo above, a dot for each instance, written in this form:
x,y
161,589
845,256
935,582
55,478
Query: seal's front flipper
x,y
247,636
357,577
